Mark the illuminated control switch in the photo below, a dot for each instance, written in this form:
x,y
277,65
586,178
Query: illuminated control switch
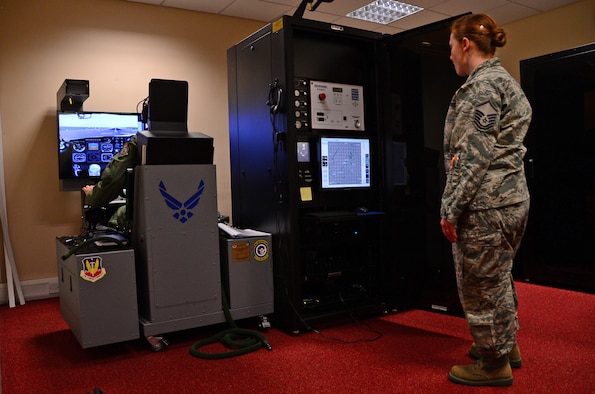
x,y
322,96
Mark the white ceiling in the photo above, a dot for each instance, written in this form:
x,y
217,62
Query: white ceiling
x,y
503,11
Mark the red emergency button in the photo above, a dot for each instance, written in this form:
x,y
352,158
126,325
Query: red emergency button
x,y
322,96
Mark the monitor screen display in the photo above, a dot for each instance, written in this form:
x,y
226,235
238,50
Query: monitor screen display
x,y
168,105
87,141
344,162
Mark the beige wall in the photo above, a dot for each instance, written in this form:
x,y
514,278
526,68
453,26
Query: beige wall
x,y
119,46
554,31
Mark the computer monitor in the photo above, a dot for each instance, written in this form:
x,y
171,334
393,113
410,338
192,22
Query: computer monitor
x,y
344,163
168,106
87,141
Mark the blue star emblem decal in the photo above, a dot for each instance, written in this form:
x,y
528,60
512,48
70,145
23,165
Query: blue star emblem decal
x,y
182,211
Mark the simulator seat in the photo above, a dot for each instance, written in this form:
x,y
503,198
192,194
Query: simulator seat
x,y
96,219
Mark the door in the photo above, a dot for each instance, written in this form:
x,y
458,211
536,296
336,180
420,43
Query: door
x,y
420,81
560,248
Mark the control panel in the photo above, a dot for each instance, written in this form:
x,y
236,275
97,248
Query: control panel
x,y
336,106
304,160
326,108
301,103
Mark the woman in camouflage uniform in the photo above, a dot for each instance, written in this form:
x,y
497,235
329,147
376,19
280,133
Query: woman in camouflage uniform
x,y
485,203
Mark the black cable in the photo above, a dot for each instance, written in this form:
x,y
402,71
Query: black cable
x,y
375,338
314,330
378,333
144,102
89,241
144,110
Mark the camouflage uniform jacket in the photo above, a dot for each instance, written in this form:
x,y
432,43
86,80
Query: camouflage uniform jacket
x,y
486,123
113,178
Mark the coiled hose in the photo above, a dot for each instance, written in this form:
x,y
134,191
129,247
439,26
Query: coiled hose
x,y
241,340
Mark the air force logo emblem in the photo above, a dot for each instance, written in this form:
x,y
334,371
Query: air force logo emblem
x,y
182,211
485,117
92,269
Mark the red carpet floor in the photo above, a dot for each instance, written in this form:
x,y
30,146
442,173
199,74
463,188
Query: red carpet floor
x,y
39,354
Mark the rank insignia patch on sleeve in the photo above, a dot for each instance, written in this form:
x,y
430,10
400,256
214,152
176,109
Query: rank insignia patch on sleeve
x,y
485,117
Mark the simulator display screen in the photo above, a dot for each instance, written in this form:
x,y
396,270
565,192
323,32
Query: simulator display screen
x,y
87,141
344,162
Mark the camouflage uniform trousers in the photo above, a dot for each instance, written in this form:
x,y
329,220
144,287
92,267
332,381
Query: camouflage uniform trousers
x,y
483,254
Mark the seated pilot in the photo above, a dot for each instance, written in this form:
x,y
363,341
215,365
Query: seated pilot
x,y
112,182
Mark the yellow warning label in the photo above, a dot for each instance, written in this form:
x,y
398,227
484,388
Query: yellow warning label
x,y
306,193
240,251
277,25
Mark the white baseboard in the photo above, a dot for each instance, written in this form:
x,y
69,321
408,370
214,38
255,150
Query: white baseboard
x,y
32,290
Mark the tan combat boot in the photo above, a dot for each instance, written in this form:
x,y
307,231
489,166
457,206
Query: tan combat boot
x,y
482,373
514,357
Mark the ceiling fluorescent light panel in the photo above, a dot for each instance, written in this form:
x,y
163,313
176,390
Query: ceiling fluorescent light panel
x,y
384,11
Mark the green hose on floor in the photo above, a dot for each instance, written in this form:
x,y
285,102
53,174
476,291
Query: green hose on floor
x,y
241,340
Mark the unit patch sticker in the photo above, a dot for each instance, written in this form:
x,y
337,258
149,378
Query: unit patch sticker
x,y
261,250
92,269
